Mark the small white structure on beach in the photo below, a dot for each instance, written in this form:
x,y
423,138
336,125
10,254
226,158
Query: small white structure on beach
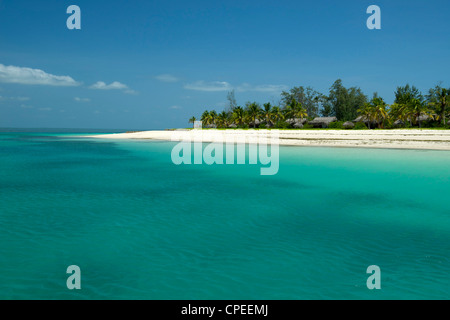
x,y
198,125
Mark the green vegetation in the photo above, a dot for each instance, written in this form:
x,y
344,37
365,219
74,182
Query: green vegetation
x,y
360,126
336,125
192,120
299,105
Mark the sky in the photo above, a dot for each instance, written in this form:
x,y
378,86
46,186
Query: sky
x,y
154,64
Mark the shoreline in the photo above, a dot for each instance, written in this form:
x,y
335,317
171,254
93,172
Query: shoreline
x,y
386,139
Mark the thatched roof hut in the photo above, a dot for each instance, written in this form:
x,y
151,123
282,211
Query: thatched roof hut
x,y
322,122
293,121
296,122
399,123
257,123
269,124
424,117
348,125
364,120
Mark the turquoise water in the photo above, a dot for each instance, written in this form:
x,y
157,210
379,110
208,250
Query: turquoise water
x,y
140,227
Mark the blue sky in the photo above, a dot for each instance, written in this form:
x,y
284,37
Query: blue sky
x,y
154,64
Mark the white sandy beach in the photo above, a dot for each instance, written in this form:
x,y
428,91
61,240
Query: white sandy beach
x,y
394,139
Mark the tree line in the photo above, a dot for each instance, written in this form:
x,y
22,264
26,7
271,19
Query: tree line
x,y
411,108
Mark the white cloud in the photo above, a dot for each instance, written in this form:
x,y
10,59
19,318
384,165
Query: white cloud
x,y
175,107
100,85
167,78
21,75
209,86
21,98
82,99
15,98
216,86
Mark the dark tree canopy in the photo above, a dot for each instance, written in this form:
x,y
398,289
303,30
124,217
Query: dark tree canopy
x,y
308,97
343,103
403,95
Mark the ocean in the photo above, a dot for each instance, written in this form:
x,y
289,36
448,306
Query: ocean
x,y
140,227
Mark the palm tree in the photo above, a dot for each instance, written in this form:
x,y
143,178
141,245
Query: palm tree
x,y
375,110
367,112
254,111
206,118
399,111
238,115
276,114
267,112
222,119
213,116
299,111
417,109
288,110
192,120
380,112
442,102
295,110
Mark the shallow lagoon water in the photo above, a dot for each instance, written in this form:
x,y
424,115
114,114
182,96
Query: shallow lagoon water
x,y
140,227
